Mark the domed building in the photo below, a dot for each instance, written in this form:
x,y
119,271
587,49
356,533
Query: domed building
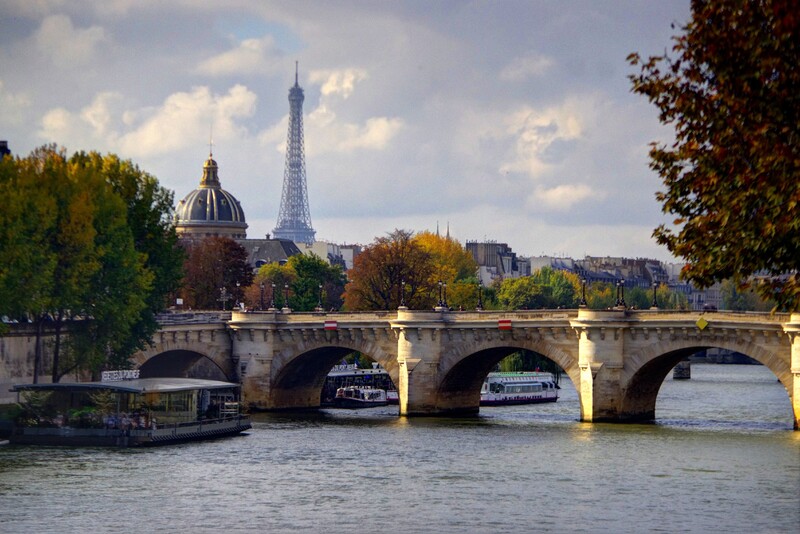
x,y
209,210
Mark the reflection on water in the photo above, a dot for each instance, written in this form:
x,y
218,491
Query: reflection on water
x,y
721,458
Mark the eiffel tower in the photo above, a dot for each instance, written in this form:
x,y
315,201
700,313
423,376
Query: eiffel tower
x,y
294,217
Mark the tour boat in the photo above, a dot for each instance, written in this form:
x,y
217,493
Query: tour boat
x,y
351,375
354,397
127,413
502,389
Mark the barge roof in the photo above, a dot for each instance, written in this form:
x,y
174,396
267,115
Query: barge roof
x,y
137,385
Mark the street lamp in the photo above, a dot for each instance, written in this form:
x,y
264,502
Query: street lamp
x,y
439,304
583,292
444,301
402,293
223,297
480,298
286,296
261,307
622,292
272,298
319,301
655,301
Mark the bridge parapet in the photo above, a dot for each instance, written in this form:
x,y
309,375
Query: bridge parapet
x,y
719,316
199,317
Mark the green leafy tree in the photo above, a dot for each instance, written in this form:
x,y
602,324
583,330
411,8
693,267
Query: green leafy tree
x,y
118,287
313,272
732,176
85,272
601,295
519,293
150,209
304,274
277,280
735,299
546,288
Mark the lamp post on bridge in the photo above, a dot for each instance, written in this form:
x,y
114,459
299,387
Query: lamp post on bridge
x,y
480,296
583,293
286,298
655,301
261,302
224,297
272,298
622,293
439,304
444,300
319,300
402,293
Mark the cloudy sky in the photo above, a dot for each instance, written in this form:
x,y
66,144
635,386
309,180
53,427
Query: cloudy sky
x,y
510,121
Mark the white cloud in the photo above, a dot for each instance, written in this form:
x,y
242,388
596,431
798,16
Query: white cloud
x,y
66,45
252,55
561,197
328,133
374,135
339,83
522,68
184,119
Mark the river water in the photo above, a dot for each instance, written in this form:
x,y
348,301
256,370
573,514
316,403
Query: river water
x,y
721,458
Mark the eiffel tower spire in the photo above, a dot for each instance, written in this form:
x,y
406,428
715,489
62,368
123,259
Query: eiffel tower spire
x,y
294,217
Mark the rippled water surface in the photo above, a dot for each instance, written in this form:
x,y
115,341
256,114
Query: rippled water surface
x,y
722,458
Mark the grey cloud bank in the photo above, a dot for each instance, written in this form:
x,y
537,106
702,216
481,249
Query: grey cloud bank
x,y
512,121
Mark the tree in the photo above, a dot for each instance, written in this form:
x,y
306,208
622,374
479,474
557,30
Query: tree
x,y
276,279
304,274
150,209
313,272
85,272
389,270
733,299
546,288
27,260
732,175
214,264
453,265
451,261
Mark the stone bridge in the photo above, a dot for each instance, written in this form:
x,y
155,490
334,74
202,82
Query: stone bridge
x,y
617,359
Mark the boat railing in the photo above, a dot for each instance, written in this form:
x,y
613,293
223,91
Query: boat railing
x,y
199,422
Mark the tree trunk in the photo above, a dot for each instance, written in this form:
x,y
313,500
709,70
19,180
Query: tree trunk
x,y
37,354
57,347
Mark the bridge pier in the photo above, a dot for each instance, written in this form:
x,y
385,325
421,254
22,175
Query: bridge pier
x,y
418,351
600,359
793,331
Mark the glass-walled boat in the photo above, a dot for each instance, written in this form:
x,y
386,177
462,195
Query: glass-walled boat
x,y
126,413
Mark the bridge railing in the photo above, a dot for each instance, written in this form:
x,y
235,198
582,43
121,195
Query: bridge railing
x,y
732,316
193,317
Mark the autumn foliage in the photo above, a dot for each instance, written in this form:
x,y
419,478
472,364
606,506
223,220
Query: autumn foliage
x,y
731,91
407,268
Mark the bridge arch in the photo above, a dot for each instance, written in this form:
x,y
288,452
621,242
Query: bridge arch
x,y
646,369
181,358
298,374
464,369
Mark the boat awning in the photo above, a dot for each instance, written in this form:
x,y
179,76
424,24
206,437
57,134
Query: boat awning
x,y
138,385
